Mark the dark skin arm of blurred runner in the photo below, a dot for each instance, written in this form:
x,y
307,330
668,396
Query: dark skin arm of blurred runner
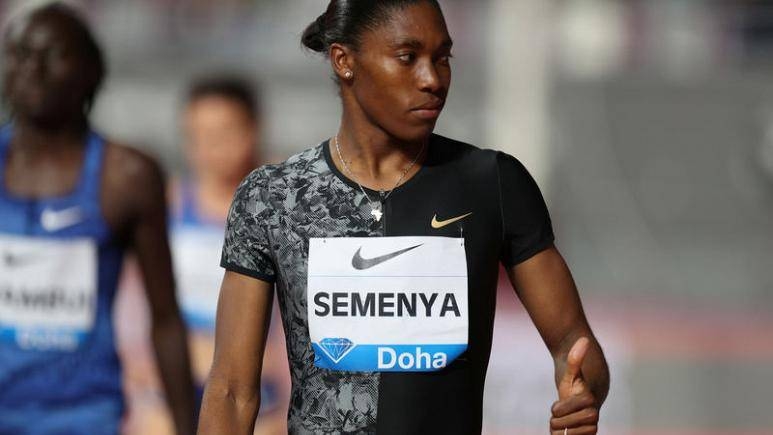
x,y
232,395
135,194
545,286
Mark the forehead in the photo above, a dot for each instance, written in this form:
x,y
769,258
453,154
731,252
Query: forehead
x,y
213,106
45,28
421,23
215,101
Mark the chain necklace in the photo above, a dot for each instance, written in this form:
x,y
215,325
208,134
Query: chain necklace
x,y
375,205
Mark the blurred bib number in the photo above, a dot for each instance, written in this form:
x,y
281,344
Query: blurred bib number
x,y
389,304
48,292
196,256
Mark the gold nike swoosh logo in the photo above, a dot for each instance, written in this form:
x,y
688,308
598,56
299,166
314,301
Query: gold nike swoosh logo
x,y
436,224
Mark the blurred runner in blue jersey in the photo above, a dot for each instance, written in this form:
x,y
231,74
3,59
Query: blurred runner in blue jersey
x,y
71,204
221,128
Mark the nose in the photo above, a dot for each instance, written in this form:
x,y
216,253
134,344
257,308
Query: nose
x,y
429,79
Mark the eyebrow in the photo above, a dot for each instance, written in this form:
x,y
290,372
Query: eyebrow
x,y
416,44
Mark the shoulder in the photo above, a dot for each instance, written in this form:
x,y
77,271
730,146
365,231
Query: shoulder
x,y
132,186
305,165
272,183
133,181
129,165
480,164
468,153
470,159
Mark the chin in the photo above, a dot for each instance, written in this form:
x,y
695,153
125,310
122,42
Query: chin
x,y
418,133
44,118
409,130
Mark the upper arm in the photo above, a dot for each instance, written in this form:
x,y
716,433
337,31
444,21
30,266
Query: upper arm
x,y
547,291
246,294
247,247
526,225
535,267
243,317
138,191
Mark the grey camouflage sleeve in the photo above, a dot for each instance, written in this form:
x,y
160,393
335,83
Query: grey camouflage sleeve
x,y
247,248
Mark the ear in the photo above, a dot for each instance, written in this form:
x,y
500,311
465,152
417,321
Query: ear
x,y
342,61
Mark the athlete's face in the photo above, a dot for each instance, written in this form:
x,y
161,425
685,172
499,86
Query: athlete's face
x,y
46,74
220,138
402,71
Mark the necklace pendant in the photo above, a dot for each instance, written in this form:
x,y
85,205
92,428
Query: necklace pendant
x,y
377,213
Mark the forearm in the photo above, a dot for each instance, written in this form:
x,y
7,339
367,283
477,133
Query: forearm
x,y
169,341
226,410
594,369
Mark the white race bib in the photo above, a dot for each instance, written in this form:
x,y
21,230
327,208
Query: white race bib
x,y
196,255
387,303
48,291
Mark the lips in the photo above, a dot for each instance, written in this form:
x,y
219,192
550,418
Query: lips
x,y
432,105
430,110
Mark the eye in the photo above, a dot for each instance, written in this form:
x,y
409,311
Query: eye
x,y
445,59
407,58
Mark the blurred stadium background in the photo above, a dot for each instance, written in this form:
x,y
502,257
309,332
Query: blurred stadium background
x,y
648,124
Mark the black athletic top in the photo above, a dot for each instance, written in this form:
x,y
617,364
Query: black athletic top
x,y
279,207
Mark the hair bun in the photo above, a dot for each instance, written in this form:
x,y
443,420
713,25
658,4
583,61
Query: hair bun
x,y
344,21
314,36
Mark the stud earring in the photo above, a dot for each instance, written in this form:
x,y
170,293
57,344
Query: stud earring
x,y
348,75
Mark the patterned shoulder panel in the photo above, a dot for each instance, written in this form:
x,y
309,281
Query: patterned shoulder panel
x,y
246,248
261,197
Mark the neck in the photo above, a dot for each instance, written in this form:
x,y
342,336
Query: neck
x,y
214,196
33,138
217,186
373,154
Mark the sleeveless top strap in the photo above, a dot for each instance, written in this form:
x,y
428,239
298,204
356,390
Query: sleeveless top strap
x,y
90,183
188,208
90,178
5,141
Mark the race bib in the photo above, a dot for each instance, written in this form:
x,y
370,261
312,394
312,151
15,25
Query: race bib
x,y
48,292
196,255
389,304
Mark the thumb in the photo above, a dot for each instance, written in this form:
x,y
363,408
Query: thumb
x,y
574,362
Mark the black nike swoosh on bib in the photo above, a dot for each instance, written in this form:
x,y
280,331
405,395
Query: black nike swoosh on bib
x,y
360,263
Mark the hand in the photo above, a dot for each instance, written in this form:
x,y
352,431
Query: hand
x,y
576,411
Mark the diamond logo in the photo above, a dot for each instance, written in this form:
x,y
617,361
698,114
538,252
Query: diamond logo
x,y
336,348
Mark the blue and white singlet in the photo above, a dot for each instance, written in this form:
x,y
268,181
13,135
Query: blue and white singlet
x,y
59,266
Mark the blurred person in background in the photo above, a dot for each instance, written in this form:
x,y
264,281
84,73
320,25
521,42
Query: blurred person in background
x,y
71,204
221,124
221,128
387,208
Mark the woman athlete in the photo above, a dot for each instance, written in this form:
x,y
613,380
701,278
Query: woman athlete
x,y
71,204
384,245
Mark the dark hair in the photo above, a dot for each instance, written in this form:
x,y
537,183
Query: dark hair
x,y
92,52
344,21
235,88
